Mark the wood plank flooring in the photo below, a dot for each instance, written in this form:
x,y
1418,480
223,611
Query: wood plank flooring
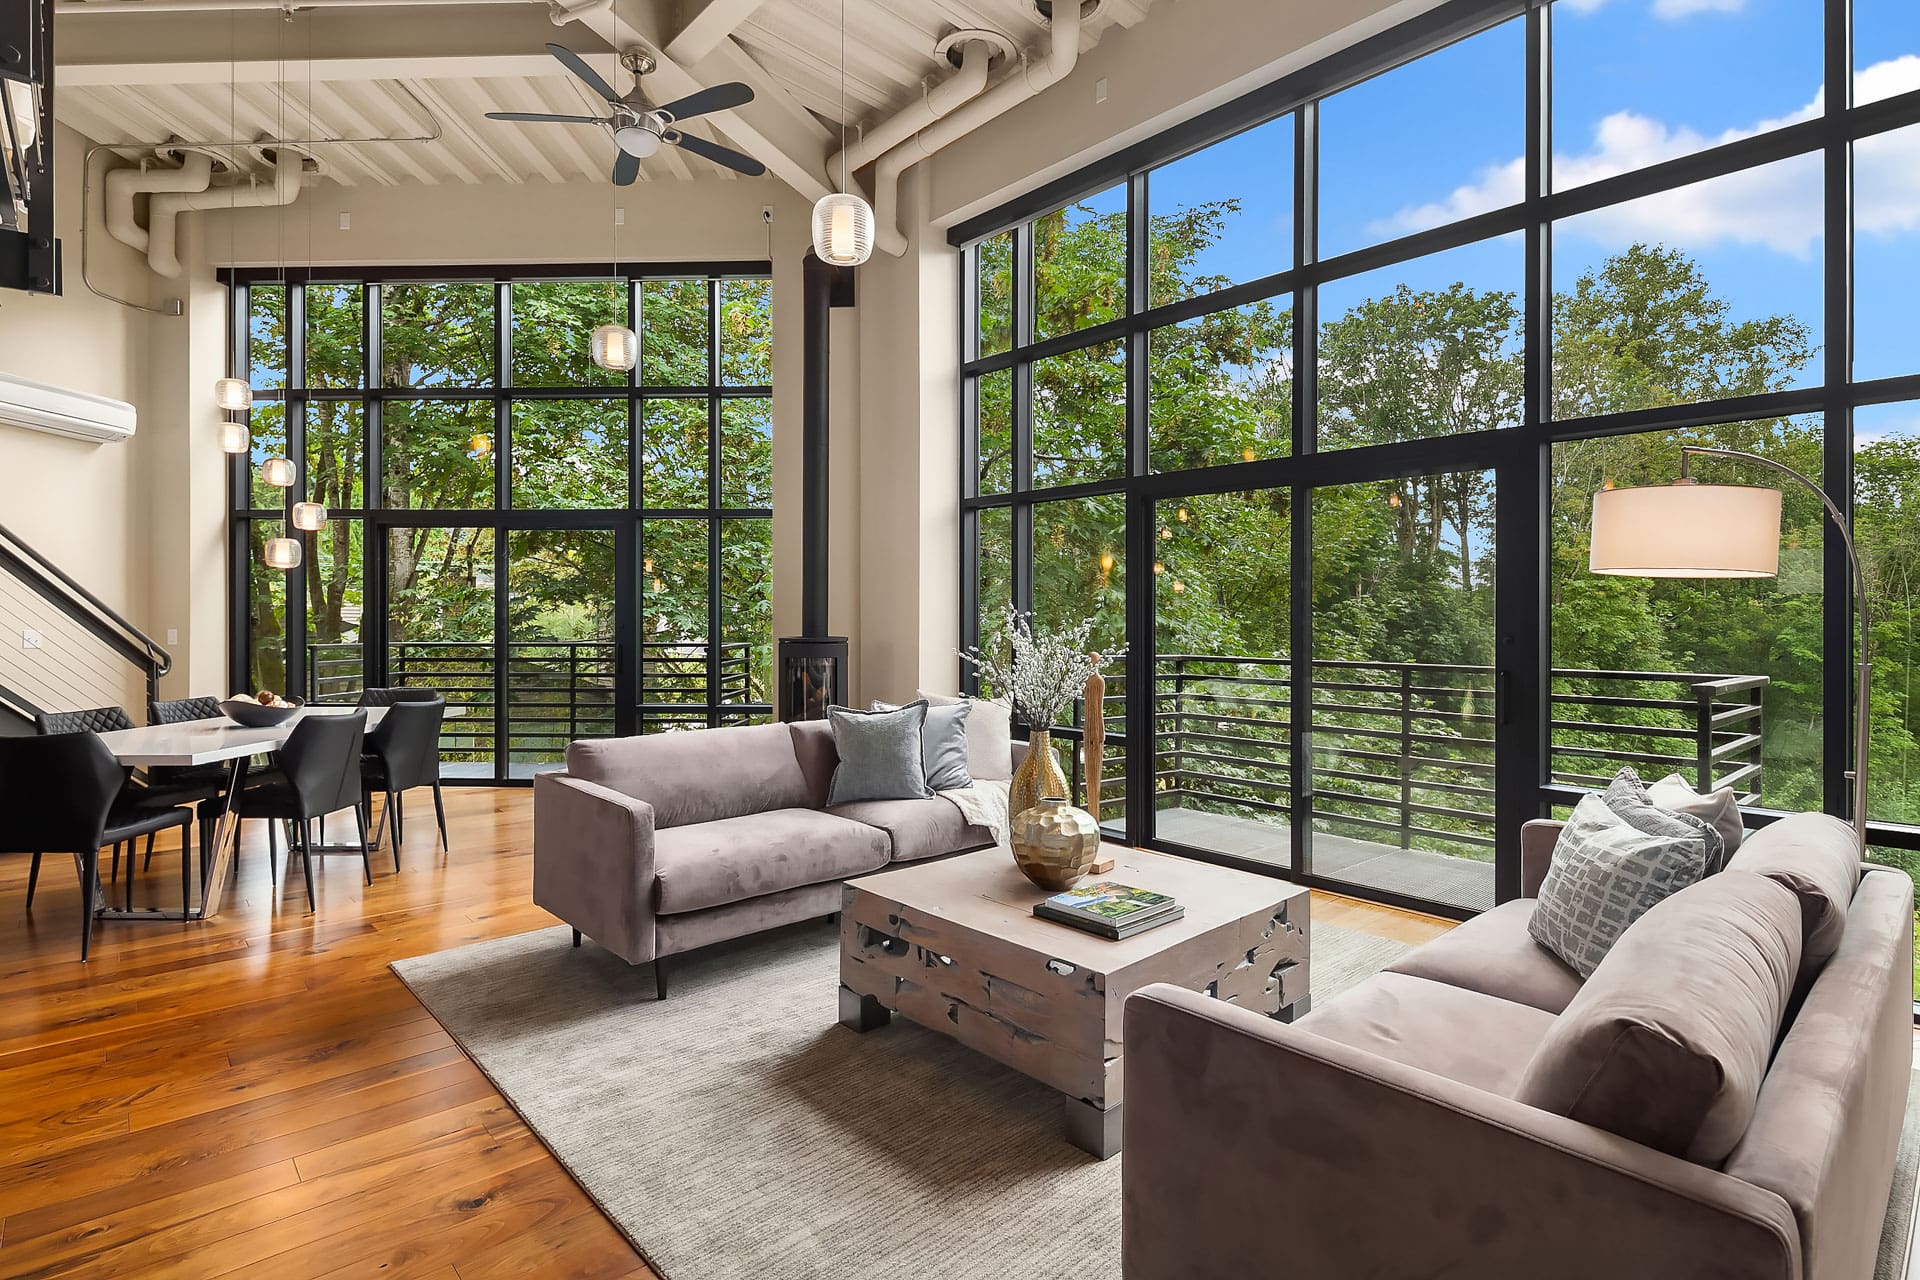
x,y
259,1095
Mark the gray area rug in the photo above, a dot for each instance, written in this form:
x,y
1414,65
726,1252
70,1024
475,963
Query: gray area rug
x,y
736,1130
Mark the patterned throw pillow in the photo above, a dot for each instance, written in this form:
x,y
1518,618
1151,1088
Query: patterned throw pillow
x,y
1629,797
879,754
1606,873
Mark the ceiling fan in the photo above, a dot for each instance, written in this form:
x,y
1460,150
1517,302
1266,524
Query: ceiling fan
x,y
640,129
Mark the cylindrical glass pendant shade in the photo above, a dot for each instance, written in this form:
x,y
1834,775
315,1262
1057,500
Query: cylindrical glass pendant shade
x,y
232,395
282,553
615,347
843,229
278,472
310,516
235,438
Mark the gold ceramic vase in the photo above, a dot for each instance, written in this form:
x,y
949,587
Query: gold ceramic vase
x,y
1054,843
1038,775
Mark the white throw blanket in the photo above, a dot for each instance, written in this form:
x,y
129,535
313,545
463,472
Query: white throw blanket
x,y
984,804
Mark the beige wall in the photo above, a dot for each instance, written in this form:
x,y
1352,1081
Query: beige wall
x,y
82,505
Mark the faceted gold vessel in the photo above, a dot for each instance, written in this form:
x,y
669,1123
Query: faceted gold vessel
x,y
1054,843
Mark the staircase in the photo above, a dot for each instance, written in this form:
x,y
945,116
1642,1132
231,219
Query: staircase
x,y
62,648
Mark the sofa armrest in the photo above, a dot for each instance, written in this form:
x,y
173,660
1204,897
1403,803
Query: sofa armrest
x,y
1019,752
1257,1148
593,862
1537,839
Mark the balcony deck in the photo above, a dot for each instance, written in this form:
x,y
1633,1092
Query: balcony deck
x,y
1463,882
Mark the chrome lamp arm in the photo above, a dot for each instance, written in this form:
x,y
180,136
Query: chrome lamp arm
x,y
1863,672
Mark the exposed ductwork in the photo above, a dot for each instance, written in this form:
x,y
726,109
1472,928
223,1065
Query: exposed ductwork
x,y
1035,77
163,213
978,50
122,185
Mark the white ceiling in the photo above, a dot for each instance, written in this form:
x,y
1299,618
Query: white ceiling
x,y
385,72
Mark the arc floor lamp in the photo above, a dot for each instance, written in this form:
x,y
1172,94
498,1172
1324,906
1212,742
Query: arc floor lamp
x,y
1691,530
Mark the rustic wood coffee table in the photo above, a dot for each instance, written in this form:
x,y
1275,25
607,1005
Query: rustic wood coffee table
x,y
954,945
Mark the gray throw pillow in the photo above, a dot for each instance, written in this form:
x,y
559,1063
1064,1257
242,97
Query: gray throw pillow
x,y
989,735
879,754
1606,873
943,745
1627,796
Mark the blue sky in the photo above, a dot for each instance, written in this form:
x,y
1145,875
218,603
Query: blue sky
x,y
1636,82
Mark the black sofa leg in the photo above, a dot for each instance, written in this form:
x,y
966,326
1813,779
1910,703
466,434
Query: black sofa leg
x,y
33,880
660,979
576,937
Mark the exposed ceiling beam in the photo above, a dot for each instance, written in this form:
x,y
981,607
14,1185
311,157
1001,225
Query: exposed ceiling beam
x,y
705,23
268,71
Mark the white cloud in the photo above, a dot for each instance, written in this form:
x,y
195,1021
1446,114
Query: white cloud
x,y
1673,10
1666,10
1776,206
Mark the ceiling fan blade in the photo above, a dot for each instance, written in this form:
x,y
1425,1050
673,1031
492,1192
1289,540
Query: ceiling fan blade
x,y
625,169
718,154
588,76
542,116
721,97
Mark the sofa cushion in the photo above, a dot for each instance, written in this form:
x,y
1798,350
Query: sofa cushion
x,y
918,828
1667,1043
1605,874
1494,955
1719,809
698,776
758,853
1815,855
1476,1039
989,735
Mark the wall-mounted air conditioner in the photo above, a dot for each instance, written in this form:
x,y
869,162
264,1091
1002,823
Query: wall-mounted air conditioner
x,y
39,407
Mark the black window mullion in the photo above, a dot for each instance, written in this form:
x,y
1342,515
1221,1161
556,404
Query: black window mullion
x,y
1838,631
502,540
713,504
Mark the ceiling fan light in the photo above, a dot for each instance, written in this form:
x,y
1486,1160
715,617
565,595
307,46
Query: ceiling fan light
x,y
281,553
232,395
637,141
278,472
235,438
843,229
616,348
310,516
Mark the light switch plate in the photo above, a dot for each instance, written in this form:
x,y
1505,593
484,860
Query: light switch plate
x,y
173,635
30,639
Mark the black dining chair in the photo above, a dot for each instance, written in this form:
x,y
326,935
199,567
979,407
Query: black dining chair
x,y
204,782
403,752
151,790
317,773
65,793
387,695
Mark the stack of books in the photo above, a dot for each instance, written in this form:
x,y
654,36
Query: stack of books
x,y
1111,910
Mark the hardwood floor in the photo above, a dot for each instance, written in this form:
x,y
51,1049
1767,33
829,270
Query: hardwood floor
x,y
259,1095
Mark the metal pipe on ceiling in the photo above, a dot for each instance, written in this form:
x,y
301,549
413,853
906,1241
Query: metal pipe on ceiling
x,y
68,7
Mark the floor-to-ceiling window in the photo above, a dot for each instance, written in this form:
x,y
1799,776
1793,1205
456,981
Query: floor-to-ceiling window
x,y
1307,401
564,551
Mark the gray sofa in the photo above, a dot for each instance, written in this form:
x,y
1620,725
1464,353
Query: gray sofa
x,y
656,845
1381,1135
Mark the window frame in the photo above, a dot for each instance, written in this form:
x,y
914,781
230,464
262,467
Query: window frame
x,y
501,518
1520,455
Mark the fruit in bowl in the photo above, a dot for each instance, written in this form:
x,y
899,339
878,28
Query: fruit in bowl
x,y
260,711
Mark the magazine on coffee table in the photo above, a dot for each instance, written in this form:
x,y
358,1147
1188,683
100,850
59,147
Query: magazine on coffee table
x,y
1110,909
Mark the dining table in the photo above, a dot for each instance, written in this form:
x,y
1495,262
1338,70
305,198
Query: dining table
x,y
214,740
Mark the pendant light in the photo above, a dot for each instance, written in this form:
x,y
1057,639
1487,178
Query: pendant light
x,y
281,553
235,438
842,221
615,347
310,516
232,395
